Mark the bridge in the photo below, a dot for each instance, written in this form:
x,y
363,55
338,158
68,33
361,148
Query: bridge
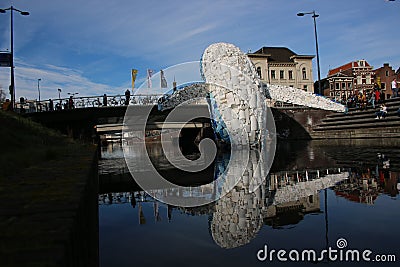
x,y
85,117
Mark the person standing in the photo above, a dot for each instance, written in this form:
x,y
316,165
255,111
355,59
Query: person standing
x,y
395,90
51,105
70,103
105,100
372,100
377,96
127,96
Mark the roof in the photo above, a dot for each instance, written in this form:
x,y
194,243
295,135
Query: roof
x,y
348,66
277,54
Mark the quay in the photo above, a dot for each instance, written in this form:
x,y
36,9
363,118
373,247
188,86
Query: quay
x,y
48,191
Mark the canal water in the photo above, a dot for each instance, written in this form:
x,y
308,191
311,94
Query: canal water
x,y
323,202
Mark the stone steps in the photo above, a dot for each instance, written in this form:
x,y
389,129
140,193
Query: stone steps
x,y
357,114
360,123
362,119
391,104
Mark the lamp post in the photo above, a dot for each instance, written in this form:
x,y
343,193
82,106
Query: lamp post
x,y
59,93
38,104
38,87
314,16
12,86
72,94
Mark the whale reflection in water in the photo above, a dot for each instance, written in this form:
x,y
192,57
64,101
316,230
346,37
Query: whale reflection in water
x,y
240,214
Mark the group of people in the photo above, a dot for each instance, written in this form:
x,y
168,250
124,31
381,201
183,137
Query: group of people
x,y
364,100
127,98
68,104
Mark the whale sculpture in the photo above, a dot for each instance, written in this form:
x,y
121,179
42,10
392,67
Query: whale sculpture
x,y
237,96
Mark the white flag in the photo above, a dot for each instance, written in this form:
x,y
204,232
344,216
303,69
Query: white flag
x,y
149,74
163,80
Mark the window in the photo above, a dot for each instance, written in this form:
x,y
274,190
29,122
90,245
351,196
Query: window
x,y
349,85
273,75
387,73
259,72
290,75
281,74
383,86
337,86
305,87
343,85
304,72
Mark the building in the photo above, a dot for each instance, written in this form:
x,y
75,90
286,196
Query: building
x,y
353,77
337,86
281,66
384,76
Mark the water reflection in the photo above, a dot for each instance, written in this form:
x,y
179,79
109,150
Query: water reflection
x,y
366,184
287,198
237,217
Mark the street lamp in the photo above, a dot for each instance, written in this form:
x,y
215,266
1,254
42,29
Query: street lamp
x,y
59,93
314,16
72,94
12,86
38,87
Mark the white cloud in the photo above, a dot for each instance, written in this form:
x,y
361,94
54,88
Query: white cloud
x,y
52,78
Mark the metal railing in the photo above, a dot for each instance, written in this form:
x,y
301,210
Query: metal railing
x,y
85,102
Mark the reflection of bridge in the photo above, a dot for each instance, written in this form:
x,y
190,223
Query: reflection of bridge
x,y
238,216
284,184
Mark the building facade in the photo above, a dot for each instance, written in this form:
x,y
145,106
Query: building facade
x,y
281,66
353,77
384,76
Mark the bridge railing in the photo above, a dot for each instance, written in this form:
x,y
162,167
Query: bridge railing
x,y
28,106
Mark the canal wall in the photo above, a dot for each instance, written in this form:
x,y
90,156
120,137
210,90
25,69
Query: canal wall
x,y
49,213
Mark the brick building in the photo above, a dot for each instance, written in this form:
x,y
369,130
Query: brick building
x,y
348,79
384,76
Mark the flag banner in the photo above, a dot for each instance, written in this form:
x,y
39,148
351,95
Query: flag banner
x,y
134,73
149,74
163,80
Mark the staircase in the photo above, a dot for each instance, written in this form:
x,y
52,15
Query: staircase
x,y
360,123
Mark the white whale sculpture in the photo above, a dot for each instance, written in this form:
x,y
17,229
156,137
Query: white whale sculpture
x,y
237,89
238,97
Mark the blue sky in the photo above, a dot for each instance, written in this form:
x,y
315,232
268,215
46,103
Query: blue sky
x,y
91,46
